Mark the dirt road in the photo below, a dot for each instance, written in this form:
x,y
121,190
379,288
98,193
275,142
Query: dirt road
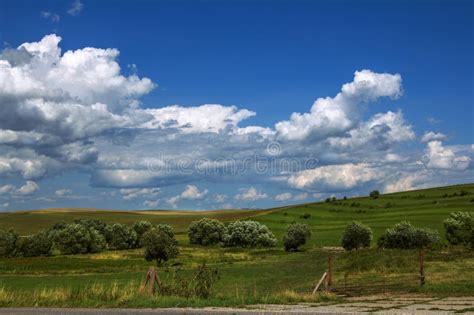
x,y
360,305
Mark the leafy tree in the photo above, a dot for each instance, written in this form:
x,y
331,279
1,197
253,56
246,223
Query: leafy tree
x,y
374,194
77,239
39,244
248,234
120,236
97,243
159,245
166,228
8,241
305,216
356,235
98,225
206,232
140,227
459,228
297,235
59,226
405,236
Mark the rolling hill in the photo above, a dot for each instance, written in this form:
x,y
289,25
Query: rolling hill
x,y
424,208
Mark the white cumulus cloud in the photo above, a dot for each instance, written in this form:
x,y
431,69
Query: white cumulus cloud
x,y
250,194
134,193
283,196
190,193
62,192
338,177
332,116
440,157
433,136
28,188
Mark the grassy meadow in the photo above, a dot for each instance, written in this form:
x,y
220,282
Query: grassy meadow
x,y
248,276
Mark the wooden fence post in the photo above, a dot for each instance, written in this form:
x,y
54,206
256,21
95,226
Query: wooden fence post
x,y
319,282
345,282
330,271
422,266
329,278
151,280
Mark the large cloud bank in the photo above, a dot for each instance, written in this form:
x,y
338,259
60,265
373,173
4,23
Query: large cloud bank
x,y
76,110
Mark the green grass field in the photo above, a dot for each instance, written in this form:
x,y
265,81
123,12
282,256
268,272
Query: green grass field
x,y
112,278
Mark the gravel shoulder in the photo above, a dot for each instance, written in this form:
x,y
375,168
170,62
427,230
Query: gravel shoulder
x,y
359,305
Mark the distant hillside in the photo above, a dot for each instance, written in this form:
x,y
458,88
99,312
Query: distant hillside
x,y
426,208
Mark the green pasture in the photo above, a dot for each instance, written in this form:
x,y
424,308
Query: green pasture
x,y
248,276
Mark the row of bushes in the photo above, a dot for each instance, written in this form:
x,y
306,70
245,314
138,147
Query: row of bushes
x,y
237,234
160,244
402,235
80,237
459,230
245,234
89,236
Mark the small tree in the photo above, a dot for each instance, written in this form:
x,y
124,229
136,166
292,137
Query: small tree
x,y
140,227
77,239
405,236
98,225
120,236
8,241
159,246
58,226
374,194
459,228
356,235
206,232
297,235
248,234
97,243
165,228
39,244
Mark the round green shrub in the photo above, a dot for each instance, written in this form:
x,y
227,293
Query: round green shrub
x,y
8,241
120,236
459,228
165,228
39,244
248,234
159,245
374,194
297,235
403,235
98,225
77,239
206,232
356,235
97,243
140,227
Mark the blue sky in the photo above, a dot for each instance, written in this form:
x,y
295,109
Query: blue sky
x,y
271,58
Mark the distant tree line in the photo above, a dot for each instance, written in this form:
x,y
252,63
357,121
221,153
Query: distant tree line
x,y
91,236
80,237
459,230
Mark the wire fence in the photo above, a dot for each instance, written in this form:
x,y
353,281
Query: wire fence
x,y
368,282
